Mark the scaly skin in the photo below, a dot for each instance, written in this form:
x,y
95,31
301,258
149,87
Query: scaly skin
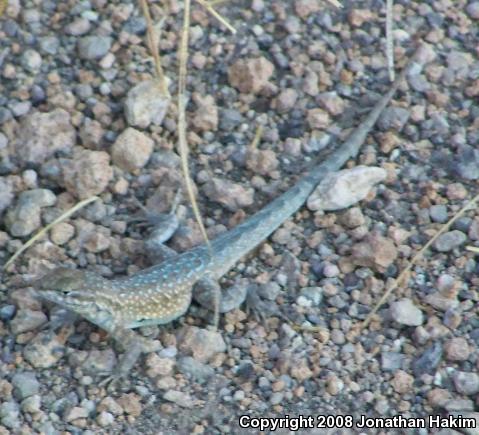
x,y
162,293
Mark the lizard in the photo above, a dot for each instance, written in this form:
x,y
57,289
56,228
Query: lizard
x,y
161,293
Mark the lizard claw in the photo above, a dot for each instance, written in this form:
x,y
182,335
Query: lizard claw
x,y
110,379
259,308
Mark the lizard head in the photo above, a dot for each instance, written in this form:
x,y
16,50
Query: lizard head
x,y
76,290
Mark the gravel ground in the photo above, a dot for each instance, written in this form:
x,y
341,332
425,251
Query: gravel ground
x,y
79,117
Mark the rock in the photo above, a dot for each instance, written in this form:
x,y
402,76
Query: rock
x,y
300,370
231,195
357,17
446,283
145,104
438,213
182,399
305,8
312,294
472,10
25,384
26,298
96,361
456,191
457,60
466,382
91,134
44,351
157,366
393,118
131,150
40,135
6,193
205,117
111,405
353,217
391,361
402,382
286,100
429,360
20,108
97,242
262,162
459,404
473,232
25,216
50,44
87,174
105,419
318,119
32,404
3,141
230,119
62,233
31,61
131,404
460,415
292,24
311,83
7,312
250,75
457,349
375,251
331,102
334,385
27,320
78,27
200,343
441,302
5,115
93,47
345,188
406,313
75,413
9,415
466,162
195,369
450,240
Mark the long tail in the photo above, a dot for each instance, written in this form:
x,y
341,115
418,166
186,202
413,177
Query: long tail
x,y
229,247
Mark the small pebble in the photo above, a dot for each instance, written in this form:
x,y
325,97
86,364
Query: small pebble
x,y
405,312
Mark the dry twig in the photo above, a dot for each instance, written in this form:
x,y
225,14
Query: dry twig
x,y
407,269
154,49
42,231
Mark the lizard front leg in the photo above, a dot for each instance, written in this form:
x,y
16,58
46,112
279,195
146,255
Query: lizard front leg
x,y
134,345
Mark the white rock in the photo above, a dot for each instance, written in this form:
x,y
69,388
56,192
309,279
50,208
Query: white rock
x,y
145,104
345,188
405,312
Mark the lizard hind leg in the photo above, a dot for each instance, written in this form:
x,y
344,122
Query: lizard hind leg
x,y
230,298
164,226
233,297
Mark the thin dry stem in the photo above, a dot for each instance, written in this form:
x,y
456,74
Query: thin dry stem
x,y
407,269
208,6
42,231
154,48
257,137
335,3
182,141
3,6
